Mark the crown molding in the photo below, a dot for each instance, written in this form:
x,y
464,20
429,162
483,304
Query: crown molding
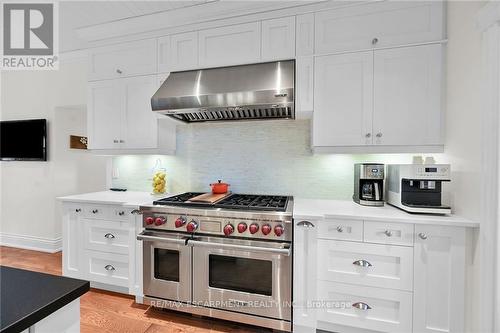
x,y
488,15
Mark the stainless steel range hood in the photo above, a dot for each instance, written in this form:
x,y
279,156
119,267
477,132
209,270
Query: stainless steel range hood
x,y
258,91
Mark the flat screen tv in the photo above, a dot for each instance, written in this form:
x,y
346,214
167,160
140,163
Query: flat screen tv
x,y
23,140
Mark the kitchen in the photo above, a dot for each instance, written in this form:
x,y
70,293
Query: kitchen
x,y
385,82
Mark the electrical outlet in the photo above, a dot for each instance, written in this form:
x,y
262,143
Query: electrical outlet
x,y
116,173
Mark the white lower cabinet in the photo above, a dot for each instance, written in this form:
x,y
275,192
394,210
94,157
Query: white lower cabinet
x,y
439,280
371,276
99,245
377,309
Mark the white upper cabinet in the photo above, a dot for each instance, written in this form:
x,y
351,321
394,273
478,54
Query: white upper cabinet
x,y
230,45
343,96
140,123
122,60
278,39
304,83
439,279
381,24
104,115
164,54
304,35
183,52
407,96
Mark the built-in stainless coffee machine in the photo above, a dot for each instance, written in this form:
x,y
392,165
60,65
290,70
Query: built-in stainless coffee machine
x,y
417,188
369,184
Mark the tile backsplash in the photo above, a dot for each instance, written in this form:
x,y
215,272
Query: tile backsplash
x,y
269,157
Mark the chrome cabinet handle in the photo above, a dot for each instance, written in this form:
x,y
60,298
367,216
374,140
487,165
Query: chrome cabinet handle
x,y
379,135
109,236
286,251
95,211
388,233
374,41
362,263
305,224
109,268
119,71
136,212
340,229
368,135
144,237
78,210
422,236
121,213
122,141
361,306
115,141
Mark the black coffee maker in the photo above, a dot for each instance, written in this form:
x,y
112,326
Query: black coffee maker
x,y
369,184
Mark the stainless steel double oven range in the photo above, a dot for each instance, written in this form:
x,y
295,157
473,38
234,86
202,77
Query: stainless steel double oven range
x,y
230,260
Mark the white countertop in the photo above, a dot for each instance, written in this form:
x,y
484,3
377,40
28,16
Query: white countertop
x,y
345,209
127,198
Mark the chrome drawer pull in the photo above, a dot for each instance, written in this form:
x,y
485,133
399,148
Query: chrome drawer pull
x,y
109,268
422,236
136,212
109,236
78,210
305,224
388,233
340,229
121,213
95,211
361,306
362,263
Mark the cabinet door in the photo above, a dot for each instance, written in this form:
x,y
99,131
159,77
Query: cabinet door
x,y
304,84
121,60
231,45
72,247
104,115
305,34
439,279
304,276
164,54
184,51
140,122
407,96
379,24
343,96
278,39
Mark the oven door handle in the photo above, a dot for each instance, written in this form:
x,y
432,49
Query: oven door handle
x,y
144,237
281,251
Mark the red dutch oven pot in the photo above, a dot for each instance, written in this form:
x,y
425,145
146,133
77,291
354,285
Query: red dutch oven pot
x,y
219,187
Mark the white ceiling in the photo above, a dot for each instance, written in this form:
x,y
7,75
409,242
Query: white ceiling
x,y
74,15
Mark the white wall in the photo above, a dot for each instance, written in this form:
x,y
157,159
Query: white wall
x,y
29,189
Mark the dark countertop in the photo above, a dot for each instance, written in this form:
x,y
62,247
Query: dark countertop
x,y
27,297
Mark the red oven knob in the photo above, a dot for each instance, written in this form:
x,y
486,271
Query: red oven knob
x,y
279,230
192,226
254,227
228,229
160,221
180,222
242,227
149,220
266,229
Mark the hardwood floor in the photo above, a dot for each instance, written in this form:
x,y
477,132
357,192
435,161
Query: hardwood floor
x,y
107,312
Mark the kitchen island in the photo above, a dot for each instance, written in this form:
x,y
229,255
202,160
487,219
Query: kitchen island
x,y
39,302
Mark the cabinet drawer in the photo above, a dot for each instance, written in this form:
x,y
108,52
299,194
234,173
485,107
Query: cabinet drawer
x,y
366,264
389,310
389,233
107,268
96,211
106,236
341,229
73,209
119,213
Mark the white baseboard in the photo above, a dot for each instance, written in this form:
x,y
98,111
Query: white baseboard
x,y
31,243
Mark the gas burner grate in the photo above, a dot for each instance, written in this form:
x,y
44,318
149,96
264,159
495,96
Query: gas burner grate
x,y
254,202
177,199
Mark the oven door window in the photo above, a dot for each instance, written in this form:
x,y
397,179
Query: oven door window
x,y
166,264
241,274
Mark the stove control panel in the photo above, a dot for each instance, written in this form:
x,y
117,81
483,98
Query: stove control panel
x,y
227,227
